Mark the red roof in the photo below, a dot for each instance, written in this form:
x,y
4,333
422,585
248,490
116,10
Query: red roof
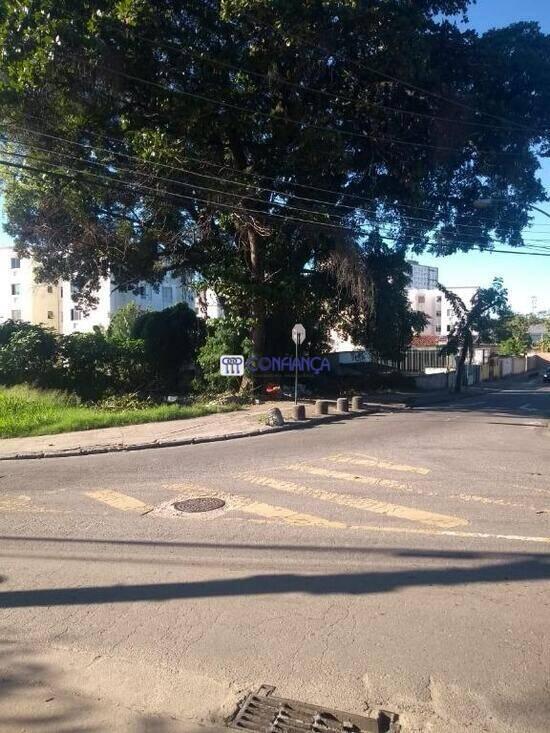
x,y
424,340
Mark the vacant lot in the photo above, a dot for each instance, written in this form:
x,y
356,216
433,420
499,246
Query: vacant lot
x,y
26,411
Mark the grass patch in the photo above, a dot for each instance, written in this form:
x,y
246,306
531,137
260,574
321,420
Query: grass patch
x,y
25,411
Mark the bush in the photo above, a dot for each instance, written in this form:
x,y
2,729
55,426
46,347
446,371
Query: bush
x,y
171,338
123,322
27,354
224,336
95,366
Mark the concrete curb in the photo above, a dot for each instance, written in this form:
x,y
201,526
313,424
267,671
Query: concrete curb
x,y
173,443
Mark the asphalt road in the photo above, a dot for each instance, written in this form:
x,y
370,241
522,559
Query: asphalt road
x,y
398,560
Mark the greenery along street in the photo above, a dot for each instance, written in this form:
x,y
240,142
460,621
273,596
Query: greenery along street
x,y
286,154
25,411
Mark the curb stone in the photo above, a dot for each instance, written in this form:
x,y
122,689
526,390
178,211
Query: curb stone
x,y
120,448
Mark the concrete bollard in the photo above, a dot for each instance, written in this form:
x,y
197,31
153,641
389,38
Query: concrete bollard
x,y
356,403
321,407
299,412
274,417
342,404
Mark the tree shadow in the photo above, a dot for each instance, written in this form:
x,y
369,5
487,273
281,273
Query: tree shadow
x,y
529,569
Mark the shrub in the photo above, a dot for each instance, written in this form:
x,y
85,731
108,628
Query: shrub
x,y
95,366
224,336
171,338
123,322
27,354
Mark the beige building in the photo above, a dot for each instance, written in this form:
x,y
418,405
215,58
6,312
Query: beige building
x,y
22,298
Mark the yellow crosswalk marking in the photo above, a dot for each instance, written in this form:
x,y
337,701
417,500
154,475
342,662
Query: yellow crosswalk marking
x,y
119,501
369,480
250,506
360,459
360,502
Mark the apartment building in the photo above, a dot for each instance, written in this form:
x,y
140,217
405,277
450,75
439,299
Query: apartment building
x,y
22,298
109,300
423,277
55,306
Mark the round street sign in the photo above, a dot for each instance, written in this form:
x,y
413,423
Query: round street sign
x,y
298,334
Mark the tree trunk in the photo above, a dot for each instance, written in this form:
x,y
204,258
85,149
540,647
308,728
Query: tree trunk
x,y
257,305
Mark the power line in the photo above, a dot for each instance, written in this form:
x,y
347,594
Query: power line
x,y
158,194
218,191
238,183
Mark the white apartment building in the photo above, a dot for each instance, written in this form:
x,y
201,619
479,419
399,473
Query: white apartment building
x,y
438,309
168,293
53,305
448,317
430,302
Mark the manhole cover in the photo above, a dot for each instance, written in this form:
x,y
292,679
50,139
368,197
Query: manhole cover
x,y
200,504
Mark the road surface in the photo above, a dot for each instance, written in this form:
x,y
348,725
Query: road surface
x,y
398,560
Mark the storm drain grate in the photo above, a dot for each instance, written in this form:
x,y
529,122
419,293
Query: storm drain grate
x,y
265,713
199,504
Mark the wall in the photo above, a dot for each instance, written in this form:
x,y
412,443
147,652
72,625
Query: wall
x,y
21,276
47,306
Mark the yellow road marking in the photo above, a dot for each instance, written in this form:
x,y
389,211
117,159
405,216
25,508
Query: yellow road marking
x,y
370,480
270,511
261,509
490,500
24,504
360,502
360,459
119,501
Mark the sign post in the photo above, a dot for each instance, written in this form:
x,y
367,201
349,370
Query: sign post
x,y
298,336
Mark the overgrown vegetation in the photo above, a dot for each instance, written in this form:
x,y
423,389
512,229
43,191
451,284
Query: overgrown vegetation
x,y
26,411
258,145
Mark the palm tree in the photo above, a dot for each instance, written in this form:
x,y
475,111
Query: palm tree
x,y
470,320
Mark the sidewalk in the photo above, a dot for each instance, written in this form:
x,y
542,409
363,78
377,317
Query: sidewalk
x,y
242,423
246,422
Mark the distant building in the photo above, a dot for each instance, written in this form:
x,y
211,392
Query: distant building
x,y
22,298
423,277
154,298
537,332
55,305
439,310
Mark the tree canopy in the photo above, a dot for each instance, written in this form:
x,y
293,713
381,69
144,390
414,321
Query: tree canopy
x,y
262,143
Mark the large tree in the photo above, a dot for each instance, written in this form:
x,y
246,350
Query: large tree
x,y
258,142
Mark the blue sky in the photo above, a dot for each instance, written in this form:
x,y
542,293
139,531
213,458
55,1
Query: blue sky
x,y
526,277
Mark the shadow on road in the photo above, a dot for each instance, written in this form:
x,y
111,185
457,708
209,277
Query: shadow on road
x,y
524,570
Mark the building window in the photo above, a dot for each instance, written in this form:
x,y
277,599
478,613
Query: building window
x,y
76,314
16,315
15,263
50,289
421,299
15,289
438,329
438,314
450,312
50,315
448,328
438,299
61,291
